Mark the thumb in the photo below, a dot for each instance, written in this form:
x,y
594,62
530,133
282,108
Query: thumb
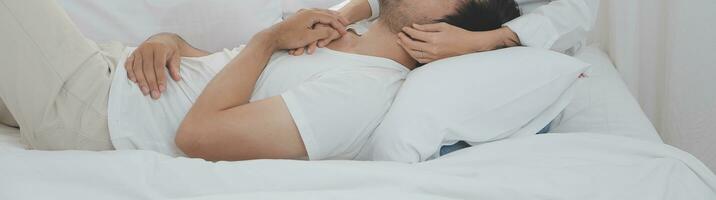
x,y
173,66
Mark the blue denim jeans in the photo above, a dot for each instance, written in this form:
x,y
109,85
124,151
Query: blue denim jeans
x,y
461,145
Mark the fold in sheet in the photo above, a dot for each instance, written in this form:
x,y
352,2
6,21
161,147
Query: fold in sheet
x,y
550,166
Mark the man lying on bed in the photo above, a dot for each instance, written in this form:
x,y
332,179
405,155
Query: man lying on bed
x,y
259,104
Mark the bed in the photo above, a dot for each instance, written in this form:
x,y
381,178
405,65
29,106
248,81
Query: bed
x,y
603,147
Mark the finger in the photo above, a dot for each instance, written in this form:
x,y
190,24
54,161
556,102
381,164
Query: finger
x,y
431,27
413,53
300,51
139,74
324,42
321,32
344,20
149,75
421,57
174,64
425,60
332,21
417,34
341,19
292,52
334,35
160,66
312,48
128,66
412,44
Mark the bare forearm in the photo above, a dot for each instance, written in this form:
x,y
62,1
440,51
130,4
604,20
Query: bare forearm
x,y
356,10
492,40
234,84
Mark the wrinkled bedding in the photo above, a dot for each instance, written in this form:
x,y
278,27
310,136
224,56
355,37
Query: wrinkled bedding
x,y
551,166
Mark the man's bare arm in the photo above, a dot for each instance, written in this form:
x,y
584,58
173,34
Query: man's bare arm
x,y
356,10
223,125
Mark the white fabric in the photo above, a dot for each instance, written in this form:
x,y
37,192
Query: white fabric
x,y
603,104
665,52
374,9
528,6
558,166
336,100
561,25
211,25
477,98
138,122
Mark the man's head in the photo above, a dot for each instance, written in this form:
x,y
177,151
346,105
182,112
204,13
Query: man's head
x,y
473,15
483,15
397,14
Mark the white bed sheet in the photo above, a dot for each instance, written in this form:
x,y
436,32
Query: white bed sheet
x,y
603,104
551,166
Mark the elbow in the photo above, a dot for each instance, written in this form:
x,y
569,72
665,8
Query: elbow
x,y
188,140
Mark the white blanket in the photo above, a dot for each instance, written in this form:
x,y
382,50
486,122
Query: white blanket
x,y
551,166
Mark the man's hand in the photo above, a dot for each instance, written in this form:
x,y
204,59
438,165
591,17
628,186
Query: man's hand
x,y
147,63
331,23
311,48
427,43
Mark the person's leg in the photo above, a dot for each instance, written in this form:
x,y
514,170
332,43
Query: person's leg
x,y
5,116
53,81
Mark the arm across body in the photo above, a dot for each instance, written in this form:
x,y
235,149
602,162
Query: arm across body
x,y
224,125
560,26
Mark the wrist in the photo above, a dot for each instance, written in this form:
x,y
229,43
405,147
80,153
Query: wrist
x,y
266,40
493,40
352,17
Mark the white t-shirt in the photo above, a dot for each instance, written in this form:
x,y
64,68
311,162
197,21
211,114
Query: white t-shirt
x,y
336,100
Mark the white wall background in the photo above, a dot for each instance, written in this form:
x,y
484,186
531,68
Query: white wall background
x,y
666,52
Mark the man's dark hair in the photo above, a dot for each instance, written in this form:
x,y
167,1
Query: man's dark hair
x,y
483,15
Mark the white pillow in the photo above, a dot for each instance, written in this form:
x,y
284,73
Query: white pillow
x,y
207,24
477,98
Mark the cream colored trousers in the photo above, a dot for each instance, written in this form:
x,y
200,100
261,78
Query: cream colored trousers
x,y
53,81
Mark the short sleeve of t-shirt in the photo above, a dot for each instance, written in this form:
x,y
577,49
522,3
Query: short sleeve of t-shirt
x,y
337,111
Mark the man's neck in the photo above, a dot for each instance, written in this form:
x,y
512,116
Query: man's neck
x,y
379,41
